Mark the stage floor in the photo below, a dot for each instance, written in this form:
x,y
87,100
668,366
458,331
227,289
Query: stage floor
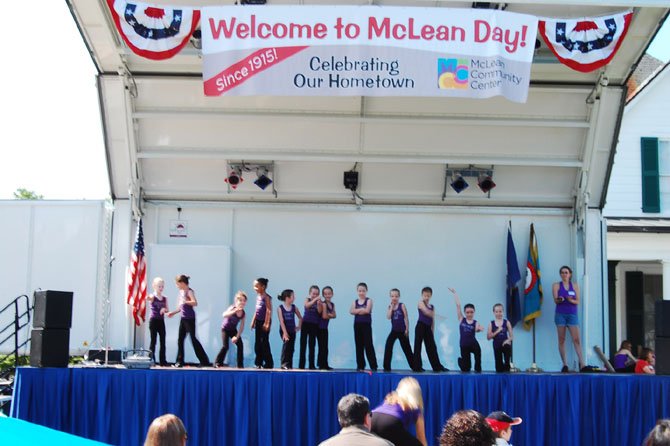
x,y
229,406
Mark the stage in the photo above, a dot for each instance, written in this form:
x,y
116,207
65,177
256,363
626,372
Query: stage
x,y
282,408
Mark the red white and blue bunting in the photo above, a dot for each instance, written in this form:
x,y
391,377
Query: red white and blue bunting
x,y
158,33
585,44
152,31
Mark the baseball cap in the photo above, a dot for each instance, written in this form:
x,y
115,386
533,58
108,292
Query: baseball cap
x,y
499,421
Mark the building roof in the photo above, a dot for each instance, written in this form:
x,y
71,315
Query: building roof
x,y
166,141
632,224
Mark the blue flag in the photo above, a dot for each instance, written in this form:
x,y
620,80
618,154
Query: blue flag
x,y
513,277
532,305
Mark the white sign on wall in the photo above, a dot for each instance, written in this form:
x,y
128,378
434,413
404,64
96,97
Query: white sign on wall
x,y
178,229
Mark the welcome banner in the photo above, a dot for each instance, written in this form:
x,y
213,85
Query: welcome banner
x,y
366,51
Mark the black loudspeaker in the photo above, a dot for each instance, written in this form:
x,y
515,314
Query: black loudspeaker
x,y
662,309
53,309
49,347
662,352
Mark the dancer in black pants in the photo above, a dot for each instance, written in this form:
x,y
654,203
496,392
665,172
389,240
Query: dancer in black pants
x,y
310,327
500,331
361,308
397,313
231,317
287,328
159,307
468,327
327,313
261,322
423,333
187,302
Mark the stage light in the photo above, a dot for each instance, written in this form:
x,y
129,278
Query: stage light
x,y
459,184
263,180
486,183
235,177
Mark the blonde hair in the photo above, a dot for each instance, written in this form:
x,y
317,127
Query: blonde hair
x,y
407,394
241,293
166,430
157,280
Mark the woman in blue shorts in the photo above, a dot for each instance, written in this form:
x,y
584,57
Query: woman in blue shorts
x,y
566,298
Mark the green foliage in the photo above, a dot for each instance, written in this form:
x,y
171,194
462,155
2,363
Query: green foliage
x,y
7,362
25,194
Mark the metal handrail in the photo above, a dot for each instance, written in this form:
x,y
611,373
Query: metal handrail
x,y
18,324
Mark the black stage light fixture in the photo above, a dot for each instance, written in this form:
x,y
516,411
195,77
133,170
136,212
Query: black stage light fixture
x,y
486,183
459,184
351,180
235,178
263,180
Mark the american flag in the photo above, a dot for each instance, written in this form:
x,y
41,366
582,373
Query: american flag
x,y
137,277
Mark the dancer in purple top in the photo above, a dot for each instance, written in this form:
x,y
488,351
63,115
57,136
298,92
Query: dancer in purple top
x,y
424,333
566,297
286,313
310,327
187,303
261,322
361,308
397,313
500,331
233,316
468,327
159,306
327,313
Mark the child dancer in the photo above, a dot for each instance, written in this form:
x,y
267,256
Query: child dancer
x,y
310,327
423,332
361,308
500,331
231,317
159,306
261,323
468,327
187,302
646,362
397,313
327,313
287,312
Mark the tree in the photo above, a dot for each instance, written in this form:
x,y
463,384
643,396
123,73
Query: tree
x,y
25,194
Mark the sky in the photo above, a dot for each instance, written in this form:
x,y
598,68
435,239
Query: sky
x,y
51,131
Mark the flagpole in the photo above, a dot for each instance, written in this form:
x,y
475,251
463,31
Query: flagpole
x,y
534,368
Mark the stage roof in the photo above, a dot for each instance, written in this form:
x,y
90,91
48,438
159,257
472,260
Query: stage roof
x,y
166,141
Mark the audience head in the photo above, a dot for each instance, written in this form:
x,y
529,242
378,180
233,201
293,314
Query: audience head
x,y
407,394
626,344
467,428
647,354
659,435
353,410
166,430
501,423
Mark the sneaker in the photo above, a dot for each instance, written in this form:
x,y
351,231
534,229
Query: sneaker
x,y
177,365
565,369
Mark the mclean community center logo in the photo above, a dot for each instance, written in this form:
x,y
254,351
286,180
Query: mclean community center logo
x,y
452,74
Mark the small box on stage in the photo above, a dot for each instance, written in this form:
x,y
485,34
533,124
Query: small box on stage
x,y
49,347
113,356
53,309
